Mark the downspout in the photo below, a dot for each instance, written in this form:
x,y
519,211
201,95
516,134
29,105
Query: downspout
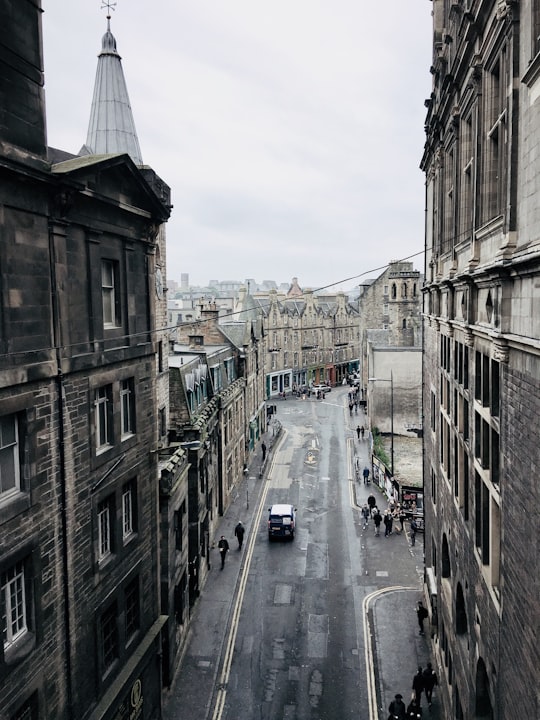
x,y
60,412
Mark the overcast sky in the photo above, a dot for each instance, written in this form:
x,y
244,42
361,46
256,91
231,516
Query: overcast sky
x,y
290,132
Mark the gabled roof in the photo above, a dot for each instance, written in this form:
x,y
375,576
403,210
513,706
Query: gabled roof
x,y
77,168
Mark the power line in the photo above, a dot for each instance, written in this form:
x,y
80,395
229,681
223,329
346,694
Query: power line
x,y
196,321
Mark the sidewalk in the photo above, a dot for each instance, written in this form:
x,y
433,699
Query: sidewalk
x,y
398,649
197,676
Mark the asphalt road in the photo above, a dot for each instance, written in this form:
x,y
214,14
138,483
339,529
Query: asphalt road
x,y
317,628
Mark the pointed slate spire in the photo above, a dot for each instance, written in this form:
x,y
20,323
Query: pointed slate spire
x,y
111,128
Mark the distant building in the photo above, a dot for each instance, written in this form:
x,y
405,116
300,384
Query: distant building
x,y
482,357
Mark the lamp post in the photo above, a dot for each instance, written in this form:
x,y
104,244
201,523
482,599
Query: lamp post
x,y
391,381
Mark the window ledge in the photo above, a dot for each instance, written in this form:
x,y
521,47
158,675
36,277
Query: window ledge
x,y
13,506
19,650
533,71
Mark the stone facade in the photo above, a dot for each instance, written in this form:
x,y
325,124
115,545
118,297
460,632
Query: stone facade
x,y
482,358
311,339
78,503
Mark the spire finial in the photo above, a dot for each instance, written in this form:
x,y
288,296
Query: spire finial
x,y
110,5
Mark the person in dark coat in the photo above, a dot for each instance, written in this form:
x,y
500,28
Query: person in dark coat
x,y
421,614
388,522
377,519
414,711
263,448
418,685
430,680
239,534
397,708
365,473
371,503
223,546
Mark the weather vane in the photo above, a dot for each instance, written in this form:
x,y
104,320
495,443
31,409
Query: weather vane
x,y
110,5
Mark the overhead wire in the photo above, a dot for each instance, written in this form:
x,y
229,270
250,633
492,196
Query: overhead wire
x,y
225,316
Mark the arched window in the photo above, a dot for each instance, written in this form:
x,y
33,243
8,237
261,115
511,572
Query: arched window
x,y
394,291
404,324
414,290
461,612
445,558
483,707
404,290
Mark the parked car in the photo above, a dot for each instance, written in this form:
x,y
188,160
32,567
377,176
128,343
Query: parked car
x,y
323,388
281,521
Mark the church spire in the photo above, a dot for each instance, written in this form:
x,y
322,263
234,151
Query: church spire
x,y
111,128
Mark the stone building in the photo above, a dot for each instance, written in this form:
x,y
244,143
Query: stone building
x,y
482,356
311,338
78,504
389,309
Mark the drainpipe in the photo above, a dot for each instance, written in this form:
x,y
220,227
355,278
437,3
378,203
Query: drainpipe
x,y
60,399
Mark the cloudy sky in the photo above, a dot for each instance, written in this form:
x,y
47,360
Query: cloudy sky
x,y
290,132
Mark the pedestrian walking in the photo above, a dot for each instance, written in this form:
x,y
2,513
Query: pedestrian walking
x,y
388,522
421,614
239,534
365,514
414,710
414,530
358,431
418,685
371,503
397,708
430,680
362,431
223,546
263,448
377,519
366,475
402,515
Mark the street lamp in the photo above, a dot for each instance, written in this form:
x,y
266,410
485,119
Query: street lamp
x,y
391,381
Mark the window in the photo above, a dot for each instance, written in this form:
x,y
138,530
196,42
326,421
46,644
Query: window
x,y
29,710
13,604
104,417
105,515
129,505
109,637
9,456
535,27
179,526
162,420
110,293
160,364
127,407
132,604
495,168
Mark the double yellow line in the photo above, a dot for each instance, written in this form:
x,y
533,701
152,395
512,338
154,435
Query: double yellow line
x,y
244,574
368,647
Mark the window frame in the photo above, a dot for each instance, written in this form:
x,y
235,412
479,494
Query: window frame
x,y
11,448
110,293
10,602
104,419
127,408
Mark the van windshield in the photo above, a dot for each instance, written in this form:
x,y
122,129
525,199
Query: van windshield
x,y
284,519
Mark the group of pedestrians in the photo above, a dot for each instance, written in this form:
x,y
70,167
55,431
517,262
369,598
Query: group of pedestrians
x,y
223,543
424,681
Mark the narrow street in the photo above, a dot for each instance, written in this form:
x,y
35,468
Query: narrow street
x,y
281,632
